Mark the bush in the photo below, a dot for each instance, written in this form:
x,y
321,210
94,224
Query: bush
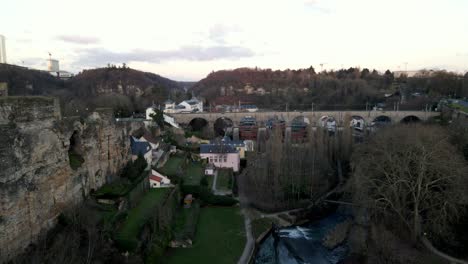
x,y
75,160
204,181
205,194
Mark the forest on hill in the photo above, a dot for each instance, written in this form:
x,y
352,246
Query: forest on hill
x,y
121,88
351,88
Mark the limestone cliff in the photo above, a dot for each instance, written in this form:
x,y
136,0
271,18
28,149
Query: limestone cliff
x,y
36,180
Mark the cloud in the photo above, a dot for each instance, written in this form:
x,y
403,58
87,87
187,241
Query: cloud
x,y
219,32
316,6
100,56
77,39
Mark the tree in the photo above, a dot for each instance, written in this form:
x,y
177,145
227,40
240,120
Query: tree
x,y
158,117
413,175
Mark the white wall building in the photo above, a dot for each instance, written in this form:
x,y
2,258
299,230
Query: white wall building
x,y
221,156
157,180
188,106
53,66
169,107
3,58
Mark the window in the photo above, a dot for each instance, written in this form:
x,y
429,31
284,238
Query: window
x,y
225,158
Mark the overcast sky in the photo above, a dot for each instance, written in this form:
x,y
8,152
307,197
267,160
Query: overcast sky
x,y
186,40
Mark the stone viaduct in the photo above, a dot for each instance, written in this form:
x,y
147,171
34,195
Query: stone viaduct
x,y
312,116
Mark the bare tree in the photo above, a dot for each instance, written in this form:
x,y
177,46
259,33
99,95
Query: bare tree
x,y
412,174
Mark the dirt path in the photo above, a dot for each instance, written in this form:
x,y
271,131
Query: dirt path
x,y
249,245
215,179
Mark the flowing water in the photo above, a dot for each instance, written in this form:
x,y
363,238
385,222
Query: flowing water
x,y
302,244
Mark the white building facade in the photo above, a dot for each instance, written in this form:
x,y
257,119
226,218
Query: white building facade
x,y
3,58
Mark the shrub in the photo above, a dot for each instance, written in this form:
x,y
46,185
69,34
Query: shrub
x,y
205,194
75,160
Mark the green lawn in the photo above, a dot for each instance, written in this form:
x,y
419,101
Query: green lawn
x,y
127,237
194,173
260,225
172,165
220,238
224,181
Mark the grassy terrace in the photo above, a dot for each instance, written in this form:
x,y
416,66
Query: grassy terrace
x,y
224,181
220,238
172,165
194,173
127,237
261,225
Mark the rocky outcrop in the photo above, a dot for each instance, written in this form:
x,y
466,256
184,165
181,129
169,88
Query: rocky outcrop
x,y
36,180
337,235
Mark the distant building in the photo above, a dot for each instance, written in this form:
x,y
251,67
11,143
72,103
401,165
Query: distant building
x,y
53,66
169,107
221,155
3,58
188,106
3,89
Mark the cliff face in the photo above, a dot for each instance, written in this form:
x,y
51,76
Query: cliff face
x,y
36,180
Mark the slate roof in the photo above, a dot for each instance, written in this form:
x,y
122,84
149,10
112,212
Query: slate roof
x,y
228,141
217,148
139,147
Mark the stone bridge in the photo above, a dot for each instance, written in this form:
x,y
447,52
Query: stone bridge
x,y
312,116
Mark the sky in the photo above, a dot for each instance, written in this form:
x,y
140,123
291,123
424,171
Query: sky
x,y
185,40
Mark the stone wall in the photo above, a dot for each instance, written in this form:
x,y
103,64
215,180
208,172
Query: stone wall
x,y
36,180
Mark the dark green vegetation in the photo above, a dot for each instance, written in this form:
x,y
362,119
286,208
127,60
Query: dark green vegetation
x,y
75,160
186,222
224,181
194,174
260,226
220,238
174,166
127,236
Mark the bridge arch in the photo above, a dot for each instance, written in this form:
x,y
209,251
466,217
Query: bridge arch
x,y
198,123
357,122
410,119
381,120
221,125
300,119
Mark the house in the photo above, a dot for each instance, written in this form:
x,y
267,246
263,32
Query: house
x,y
157,180
210,169
169,107
239,145
221,155
190,106
141,148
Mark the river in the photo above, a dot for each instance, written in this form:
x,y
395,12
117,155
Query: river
x,y
302,244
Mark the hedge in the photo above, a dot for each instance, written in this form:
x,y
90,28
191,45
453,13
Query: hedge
x,y
205,194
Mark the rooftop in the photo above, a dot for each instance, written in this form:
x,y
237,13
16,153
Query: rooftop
x,y
217,148
139,147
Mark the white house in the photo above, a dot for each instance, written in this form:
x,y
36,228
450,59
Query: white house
x,y
221,155
169,107
191,106
157,180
